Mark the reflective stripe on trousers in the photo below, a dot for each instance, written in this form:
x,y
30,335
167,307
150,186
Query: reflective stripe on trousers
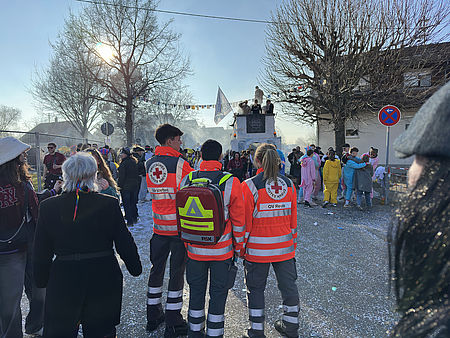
x,y
174,300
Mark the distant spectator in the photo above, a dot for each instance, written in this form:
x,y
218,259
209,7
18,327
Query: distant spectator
x,y
331,177
106,154
362,183
148,152
308,177
52,166
95,145
353,162
129,184
235,166
107,184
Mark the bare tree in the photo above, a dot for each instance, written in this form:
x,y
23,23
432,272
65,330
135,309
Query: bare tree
x,y
339,58
140,53
9,117
165,104
66,87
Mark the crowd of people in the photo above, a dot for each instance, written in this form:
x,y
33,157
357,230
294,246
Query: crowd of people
x,y
341,178
60,244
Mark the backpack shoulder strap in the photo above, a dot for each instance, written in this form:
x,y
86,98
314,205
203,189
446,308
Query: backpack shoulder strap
x,y
225,177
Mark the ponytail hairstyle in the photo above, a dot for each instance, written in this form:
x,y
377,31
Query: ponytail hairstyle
x,y
266,154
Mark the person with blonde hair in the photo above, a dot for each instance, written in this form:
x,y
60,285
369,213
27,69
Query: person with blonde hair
x,y
84,280
270,239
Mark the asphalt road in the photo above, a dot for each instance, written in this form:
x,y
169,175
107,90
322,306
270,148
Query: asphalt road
x,y
342,278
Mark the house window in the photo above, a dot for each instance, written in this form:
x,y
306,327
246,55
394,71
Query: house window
x,y
352,133
407,126
417,79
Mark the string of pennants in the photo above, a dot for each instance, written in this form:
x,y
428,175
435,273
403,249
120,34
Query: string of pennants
x,y
234,104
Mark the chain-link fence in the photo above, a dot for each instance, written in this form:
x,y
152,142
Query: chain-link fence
x,y
65,144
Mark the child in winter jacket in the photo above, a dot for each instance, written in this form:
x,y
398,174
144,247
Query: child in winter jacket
x,y
331,176
308,176
353,163
363,183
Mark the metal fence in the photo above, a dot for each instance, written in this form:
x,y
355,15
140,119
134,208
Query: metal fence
x,y
38,141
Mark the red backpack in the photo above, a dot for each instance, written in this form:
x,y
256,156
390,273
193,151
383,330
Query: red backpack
x,y
200,207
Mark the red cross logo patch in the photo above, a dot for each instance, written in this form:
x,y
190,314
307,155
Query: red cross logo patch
x,y
276,189
157,173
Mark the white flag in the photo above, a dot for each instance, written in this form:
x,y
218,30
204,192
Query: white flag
x,y
223,107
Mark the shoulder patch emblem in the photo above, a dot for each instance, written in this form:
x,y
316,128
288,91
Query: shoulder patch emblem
x,y
157,173
276,190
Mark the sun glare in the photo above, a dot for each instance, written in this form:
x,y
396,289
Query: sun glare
x,y
105,51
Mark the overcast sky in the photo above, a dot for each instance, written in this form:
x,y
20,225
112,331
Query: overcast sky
x,y
223,53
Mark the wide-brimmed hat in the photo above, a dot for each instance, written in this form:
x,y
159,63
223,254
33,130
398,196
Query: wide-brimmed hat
x,y
10,148
428,133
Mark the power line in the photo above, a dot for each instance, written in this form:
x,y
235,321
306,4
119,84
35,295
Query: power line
x,y
180,13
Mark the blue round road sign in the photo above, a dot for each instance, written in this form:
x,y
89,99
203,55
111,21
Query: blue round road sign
x,y
389,115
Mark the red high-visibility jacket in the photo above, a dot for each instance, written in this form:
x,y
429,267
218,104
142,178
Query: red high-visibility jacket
x,y
233,236
270,219
165,171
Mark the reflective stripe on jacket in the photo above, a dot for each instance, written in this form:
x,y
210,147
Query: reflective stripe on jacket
x,y
233,236
271,219
165,171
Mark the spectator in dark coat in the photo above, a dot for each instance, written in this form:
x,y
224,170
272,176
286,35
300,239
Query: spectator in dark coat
x,y
236,165
129,183
362,183
84,281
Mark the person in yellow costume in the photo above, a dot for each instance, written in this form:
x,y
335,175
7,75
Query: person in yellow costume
x,y
331,176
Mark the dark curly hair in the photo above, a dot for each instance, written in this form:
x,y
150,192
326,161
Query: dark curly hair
x,y
419,253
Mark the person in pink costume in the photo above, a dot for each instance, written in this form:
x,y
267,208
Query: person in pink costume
x,y
308,176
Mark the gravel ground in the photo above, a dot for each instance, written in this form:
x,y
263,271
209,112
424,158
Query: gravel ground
x,y
342,278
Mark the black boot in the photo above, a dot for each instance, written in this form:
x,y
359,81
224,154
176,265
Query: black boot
x,y
280,327
152,325
176,330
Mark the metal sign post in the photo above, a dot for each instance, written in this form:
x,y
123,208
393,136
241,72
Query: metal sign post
x,y
388,116
387,173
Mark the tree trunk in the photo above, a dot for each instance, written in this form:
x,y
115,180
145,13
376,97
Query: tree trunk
x,y
129,122
339,134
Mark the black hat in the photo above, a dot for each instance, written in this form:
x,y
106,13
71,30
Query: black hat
x,y
125,150
428,134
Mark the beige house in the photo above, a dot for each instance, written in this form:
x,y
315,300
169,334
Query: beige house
x,y
367,131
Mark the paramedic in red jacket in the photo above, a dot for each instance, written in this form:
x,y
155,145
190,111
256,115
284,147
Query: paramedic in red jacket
x,y
165,171
270,238
217,259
